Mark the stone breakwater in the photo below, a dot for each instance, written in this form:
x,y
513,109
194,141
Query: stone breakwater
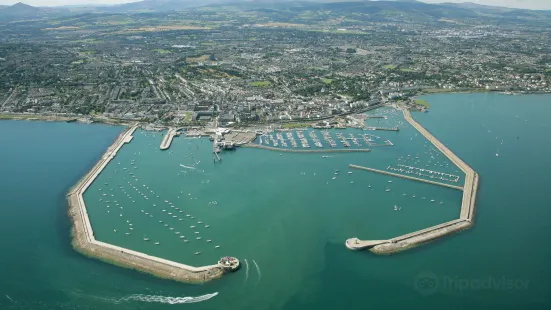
x,y
83,239
250,145
407,241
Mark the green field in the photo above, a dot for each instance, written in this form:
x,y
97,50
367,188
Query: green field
x,y
391,67
407,70
327,81
295,125
161,51
260,83
422,102
89,40
187,119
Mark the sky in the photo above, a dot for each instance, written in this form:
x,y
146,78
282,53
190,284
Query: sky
x,y
525,4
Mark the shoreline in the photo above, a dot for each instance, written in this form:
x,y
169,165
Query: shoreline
x,y
419,237
84,242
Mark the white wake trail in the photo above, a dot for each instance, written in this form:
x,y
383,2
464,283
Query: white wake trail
x,y
165,299
258,270
246,271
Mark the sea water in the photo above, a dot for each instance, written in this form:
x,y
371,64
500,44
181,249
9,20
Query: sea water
x,y
288,229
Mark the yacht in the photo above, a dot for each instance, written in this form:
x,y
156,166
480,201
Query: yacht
x,y
145,239
157,243
197,253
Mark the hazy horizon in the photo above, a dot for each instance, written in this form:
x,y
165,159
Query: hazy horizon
x,y
522,4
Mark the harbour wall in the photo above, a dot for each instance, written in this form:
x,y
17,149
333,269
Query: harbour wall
x,y
84,240
251,145
167,139
416,238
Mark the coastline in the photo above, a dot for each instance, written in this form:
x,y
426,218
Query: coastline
x,y
84,242
58,118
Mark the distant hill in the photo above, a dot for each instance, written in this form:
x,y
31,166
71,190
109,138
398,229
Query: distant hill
x,y
25,11
406,10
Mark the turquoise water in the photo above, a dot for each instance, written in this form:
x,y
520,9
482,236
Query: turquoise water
x,y
273,210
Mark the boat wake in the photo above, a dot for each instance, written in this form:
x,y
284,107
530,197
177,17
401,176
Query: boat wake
x,y
165,299
150,298
258,270
187,167
246,271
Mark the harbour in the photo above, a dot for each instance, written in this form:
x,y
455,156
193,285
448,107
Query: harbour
x,y
316,230
85,242
417,238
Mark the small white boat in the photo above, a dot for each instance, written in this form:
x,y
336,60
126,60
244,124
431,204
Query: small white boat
x,y
145,239
207,226
198,238
216,247
157,243
209,241
197,253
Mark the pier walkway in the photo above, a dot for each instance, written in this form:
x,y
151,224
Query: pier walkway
x,y
85,242
167,139
466,217
405,176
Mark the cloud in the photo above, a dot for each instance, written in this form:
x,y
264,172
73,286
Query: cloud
x,y
523,4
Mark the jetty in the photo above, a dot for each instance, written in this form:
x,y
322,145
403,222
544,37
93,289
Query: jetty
x,y
85,242
167,139
383,128
405,177
416,238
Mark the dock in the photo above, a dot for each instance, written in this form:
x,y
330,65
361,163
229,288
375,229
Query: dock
x,y
84,240
257,146
405,176
383,128
416,238
167,139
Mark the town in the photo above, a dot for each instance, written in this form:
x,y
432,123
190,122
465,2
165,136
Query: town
x,y
191,67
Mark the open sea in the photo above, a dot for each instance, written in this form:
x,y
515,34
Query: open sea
x,y
285,215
